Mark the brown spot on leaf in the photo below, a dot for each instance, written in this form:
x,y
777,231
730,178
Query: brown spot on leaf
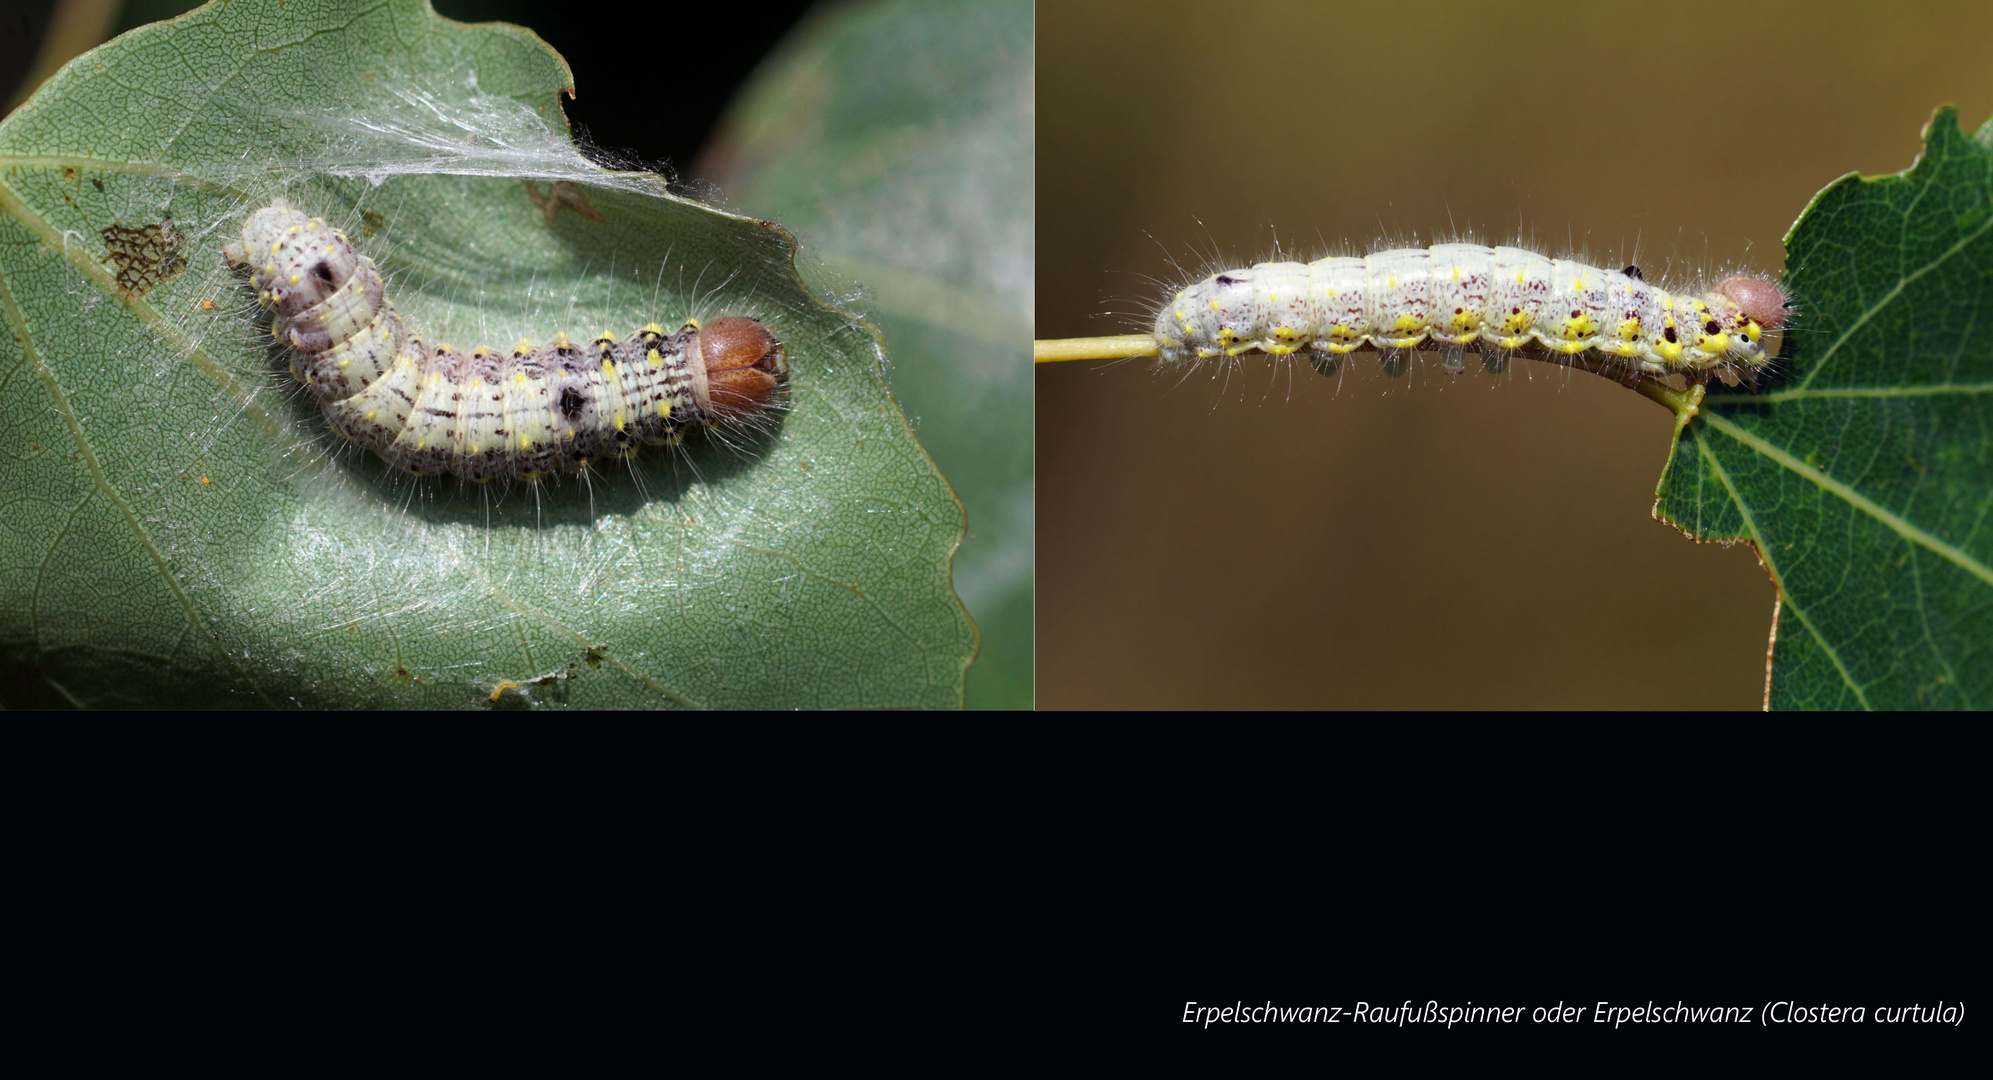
x,y
561,193
144,255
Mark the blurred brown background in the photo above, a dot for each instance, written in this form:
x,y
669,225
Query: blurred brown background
x,y
1287,541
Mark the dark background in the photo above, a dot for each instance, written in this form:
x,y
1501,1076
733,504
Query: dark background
x,y
650,79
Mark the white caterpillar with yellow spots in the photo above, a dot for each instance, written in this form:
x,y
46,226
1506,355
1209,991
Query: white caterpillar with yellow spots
x,y
429,409
1456,297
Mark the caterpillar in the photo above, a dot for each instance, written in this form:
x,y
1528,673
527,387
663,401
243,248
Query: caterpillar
x,y
429,409
1466,296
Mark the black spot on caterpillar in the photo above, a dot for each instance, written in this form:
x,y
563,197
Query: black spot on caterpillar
x,y
428,409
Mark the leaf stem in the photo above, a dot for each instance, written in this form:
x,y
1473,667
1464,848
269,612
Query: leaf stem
x,y
1685,404
1116,347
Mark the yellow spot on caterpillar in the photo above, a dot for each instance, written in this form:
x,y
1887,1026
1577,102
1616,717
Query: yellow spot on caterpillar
x,y
1522,277
295,278
656,358
519,378
561,342
293,230
608,369
345,362
664,409
276,246
619,421
1391,282
1580,284
653,328
422,445
371,413
693,323
1215,306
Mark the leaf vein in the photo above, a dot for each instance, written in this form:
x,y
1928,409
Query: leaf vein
x,y
1854,498
1771,564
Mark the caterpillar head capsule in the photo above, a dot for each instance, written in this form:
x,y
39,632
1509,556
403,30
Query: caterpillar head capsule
x,y
744,366
1763,302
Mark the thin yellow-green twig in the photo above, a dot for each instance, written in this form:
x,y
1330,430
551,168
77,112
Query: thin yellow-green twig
x,y
1117,347
1684,403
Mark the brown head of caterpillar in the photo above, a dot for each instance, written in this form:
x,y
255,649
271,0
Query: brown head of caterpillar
x,y
1762,301
427,409
745,367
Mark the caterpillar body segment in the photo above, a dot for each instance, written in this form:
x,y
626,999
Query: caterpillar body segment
x,y
428,408
1454,297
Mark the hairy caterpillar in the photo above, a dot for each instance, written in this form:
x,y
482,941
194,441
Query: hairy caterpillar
x,y
428,409
1466,296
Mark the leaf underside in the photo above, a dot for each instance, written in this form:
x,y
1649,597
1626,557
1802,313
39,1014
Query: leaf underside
x,y
1863,472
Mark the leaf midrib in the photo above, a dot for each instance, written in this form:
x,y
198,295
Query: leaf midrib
x,y
1854,498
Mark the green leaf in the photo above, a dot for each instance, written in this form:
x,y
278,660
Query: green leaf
x,y
1864,475
896,138
178,528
